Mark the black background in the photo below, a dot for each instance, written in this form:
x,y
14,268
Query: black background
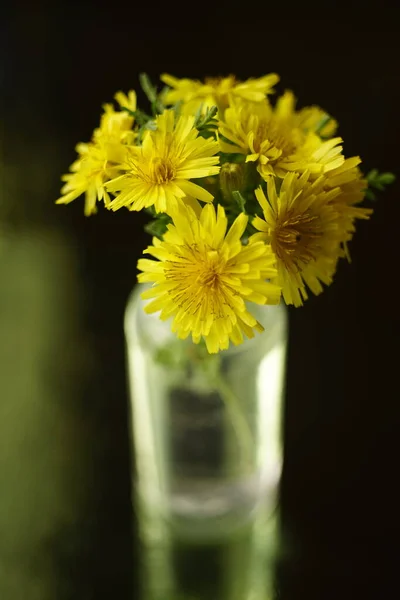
x,y
340,502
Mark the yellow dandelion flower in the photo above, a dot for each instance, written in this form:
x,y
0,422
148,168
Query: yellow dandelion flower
x,y
274,143
253,130
159,172
116,126
100,160
304,231
349,179
309,119
315,156
88,176
204,276
216,91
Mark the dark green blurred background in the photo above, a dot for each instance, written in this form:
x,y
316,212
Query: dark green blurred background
x,y
66,526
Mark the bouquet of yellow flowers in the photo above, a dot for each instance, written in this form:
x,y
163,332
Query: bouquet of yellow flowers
x,y
250,200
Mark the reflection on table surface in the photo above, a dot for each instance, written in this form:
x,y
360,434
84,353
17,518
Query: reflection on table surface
x,y
238,565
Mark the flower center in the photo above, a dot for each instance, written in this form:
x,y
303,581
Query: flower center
x,y
210,270
296,239
162,170
277,135
198,281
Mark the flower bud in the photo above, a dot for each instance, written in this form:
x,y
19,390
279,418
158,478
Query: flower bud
x,y
231,179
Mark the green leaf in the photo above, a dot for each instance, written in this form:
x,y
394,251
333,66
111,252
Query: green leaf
x,y
140,116
378,181
148,88
369,194
158,226
198,114
204,120
206,124
151,210
372,174
387,178
237,196
151,92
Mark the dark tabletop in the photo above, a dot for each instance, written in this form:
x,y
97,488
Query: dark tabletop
x,y
67,530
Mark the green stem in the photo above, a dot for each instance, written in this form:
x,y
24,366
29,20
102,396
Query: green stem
x,y
238,420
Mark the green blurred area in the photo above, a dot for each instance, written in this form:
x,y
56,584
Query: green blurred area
x,y
41,441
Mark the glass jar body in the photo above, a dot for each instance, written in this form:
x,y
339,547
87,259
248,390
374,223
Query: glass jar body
x,y
206,428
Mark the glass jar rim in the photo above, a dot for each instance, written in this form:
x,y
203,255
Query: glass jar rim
x,y
155,333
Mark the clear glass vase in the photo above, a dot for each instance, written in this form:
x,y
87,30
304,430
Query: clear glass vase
x,y
206,431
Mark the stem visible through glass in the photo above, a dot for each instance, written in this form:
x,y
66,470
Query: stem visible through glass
x,y
237,417
178,355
